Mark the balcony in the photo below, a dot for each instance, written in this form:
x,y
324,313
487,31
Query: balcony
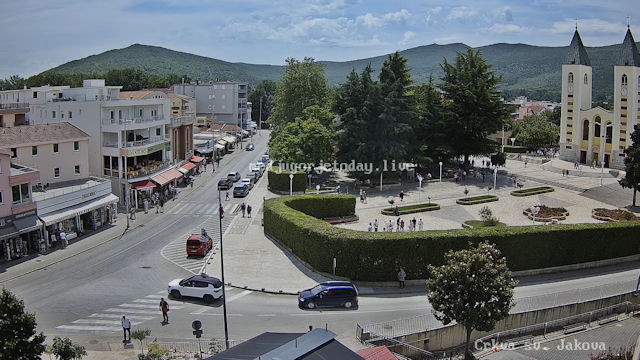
x,y
182,120
135,120
14,106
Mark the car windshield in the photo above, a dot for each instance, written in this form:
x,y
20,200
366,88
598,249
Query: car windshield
x,y
193,242
317,290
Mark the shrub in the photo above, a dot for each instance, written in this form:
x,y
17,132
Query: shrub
x,y
279,180
487,217
515,149
376,256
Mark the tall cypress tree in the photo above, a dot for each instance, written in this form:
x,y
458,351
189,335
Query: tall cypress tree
x,y
429,143
631,179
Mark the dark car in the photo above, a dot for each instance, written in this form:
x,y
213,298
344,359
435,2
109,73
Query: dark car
x,y
225,184
329,294
250,147
240,190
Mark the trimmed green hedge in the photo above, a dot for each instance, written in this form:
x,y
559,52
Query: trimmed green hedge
x,y
376,256
477,200
411,209
279,180
533,191
323,207
515,149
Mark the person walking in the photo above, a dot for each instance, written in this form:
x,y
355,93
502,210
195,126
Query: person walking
x,y
401,195
413,222
54,243
398,224
402,225
420,224
401,277
243,207
63,239
161,205
226,195
249,210
375,225
126,328
370,227
164,307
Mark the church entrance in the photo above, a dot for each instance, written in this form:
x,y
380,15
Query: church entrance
x,y
606,160
583,157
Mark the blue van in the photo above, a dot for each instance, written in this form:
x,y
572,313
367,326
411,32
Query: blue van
x,y
329,294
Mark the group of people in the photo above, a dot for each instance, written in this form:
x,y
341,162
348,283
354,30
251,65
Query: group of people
x,y
363,196
413,225
59,238
246,210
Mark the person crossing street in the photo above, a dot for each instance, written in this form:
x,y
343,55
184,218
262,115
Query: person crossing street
x,y
164,307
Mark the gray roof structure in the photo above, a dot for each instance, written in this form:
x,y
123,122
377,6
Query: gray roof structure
x,y
629,55
577,54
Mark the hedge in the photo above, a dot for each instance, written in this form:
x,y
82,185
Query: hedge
x,y
410,209
376,256
476,200
532,191
279,180
515,149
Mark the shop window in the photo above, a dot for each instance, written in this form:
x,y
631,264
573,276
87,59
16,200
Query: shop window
x,y
34,150
14,152
56,148
56,172
77,169
76,146
53,114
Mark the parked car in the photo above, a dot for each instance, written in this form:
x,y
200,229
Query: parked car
x,y
241,190
234,176
247,181
200,286
265,159
257,169
329,294
253,176
250,147
261,166
199,244
225,184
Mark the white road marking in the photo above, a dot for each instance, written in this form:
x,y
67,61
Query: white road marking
x,y
89,328
193,313
266,315
146,301
132,311
105,322
117,316
238,296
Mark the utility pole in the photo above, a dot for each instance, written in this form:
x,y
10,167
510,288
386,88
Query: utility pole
x,y
126,184
224,296
260,118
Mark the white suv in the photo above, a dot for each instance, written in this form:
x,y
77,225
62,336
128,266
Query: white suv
x,y
200,286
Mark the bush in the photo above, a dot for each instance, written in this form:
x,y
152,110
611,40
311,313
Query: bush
x,y
515,149
279,180
532,191
377,256
487,217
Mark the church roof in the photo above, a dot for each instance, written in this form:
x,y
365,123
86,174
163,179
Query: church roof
x,y
577,53
629,55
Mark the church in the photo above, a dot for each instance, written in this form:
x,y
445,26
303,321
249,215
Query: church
x,y
592,135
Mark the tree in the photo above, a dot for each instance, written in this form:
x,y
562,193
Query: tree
x,y
474,108
140,335
18,330
474,288
430,143
303,84
265,90
65,349
537,132
631,179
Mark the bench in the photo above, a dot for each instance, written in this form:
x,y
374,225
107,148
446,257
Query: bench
x,y
569,329
519,341
608,320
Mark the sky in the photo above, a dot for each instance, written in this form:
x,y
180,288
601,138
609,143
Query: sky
x,y
41,34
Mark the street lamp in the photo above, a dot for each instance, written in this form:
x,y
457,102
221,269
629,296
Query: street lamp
x,y
260,118
420,185
513,141
495,176
603,148
290,184
503,138
440,163
224,297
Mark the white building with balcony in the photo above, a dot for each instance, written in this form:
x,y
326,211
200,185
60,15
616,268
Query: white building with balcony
x,y
127,136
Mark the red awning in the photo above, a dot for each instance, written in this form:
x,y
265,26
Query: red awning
x,y
171,174
144,184
160,180
188,166
196,159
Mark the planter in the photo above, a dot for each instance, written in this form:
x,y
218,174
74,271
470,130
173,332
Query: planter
x,y
547,214
532,191
613,215
477,200
410,209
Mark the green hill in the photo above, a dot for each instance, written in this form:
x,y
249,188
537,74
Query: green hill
x,y
531,70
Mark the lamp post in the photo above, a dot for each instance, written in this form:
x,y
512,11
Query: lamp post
x,y
534,211
420,185
260,118
513,141
503,138
603,148
495,176
224,297
440,163
290,184
124,170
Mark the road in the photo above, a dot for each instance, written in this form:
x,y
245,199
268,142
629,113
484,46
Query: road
x,y
84,296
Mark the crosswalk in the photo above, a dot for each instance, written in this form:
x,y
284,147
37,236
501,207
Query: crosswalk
x,y
176,252
196,208
138,311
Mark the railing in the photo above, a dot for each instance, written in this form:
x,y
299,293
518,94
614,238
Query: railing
x,y
180,120
14,106
135,120
192,348
111,173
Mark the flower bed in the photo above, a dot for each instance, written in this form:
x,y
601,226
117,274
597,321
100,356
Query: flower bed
x,y
476,200
613,215
410,209
547,213
532,191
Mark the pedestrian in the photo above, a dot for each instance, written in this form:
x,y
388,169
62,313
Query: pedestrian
x,y
361,197
54,243
390,226
483,176
226,195
401,195
126,328
413,222
398,224
365,196
370,227
249,210
164,307
375,225
401,277
420,224
63,239
243,207
402,225
162,205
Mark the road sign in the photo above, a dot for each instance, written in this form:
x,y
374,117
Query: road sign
x,y
196,325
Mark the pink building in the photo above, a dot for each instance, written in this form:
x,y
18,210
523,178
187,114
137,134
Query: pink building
x,y
20,232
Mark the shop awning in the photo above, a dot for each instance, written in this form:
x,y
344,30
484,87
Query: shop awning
x,y
229,139
197,142
26,224
73,211
183,170
8,232
160,180
196,159
222,142
188,166
144,184
171,174
218,146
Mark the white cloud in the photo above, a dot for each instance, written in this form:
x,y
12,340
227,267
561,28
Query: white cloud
x,y
432,13
371,21
397,16
407,37
506,28
503,14
594,27
461,13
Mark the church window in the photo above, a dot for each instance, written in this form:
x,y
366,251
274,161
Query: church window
x,y
624,79
586,79
570,78
609,133
585,130
597,127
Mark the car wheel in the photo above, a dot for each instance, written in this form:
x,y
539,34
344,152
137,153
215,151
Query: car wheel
x,y
175,294
311,305
209,299
348,304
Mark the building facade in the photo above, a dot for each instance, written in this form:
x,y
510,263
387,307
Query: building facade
x,y
19,226
224,102
591,135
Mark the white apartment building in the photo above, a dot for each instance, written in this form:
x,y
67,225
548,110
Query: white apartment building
x,y
122,131
224,102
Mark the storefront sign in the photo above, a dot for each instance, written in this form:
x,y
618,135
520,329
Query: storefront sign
x,y
91,194
142,150
24,214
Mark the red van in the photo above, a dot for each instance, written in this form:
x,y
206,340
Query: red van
x,y
199,244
